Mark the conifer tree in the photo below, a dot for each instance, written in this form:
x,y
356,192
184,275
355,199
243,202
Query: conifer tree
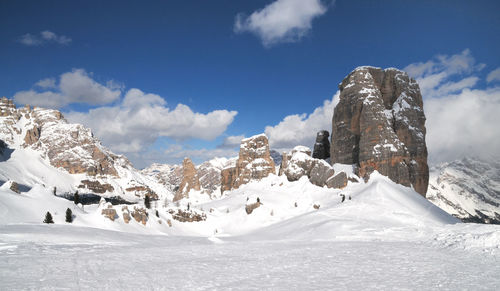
x,y
76,198
69,215
48,218
147,202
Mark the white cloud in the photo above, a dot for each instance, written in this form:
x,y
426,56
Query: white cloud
x,y
301,129
231,142
76,86
435,77
281,21
47,83
43,37
461,120
493,75
137,122
463,124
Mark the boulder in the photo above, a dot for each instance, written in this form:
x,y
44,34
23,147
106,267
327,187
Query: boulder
x,y
189,180
14,187
338,181
322,145
249,208
109,213
254,163
379,124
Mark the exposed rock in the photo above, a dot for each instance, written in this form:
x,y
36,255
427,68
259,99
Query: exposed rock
x,y
320,173
96,186
126,214
187,216
109,213
189,180
249,208
32,136
140,215
379,124
297,163
316,206
254,163
322,145
142,191
209,173
168,175
14,187
338,181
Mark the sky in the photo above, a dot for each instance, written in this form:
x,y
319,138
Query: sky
x,y
161,80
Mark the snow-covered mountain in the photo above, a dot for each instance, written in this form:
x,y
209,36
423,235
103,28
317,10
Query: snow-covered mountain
x,y
41,148
468,189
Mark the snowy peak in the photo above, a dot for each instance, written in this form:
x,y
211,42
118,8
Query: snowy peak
x,y
468,189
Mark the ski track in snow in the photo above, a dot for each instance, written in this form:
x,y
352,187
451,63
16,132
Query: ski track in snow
x,y
49,257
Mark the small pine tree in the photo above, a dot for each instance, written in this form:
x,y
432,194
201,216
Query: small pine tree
x,y
157,214
147,202
76,198
189,206
69,216
54,191
258,200
48,218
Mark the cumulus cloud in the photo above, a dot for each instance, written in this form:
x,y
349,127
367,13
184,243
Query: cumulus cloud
x,y
42,38
141,118
301,129
493,75
281,21
76,86
461,119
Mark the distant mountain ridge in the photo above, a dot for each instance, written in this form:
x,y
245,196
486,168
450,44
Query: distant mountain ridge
x,y
468,189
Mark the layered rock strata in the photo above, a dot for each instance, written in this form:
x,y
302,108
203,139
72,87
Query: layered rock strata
x,y
379,124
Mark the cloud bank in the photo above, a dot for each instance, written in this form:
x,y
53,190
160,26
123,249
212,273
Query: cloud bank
x,y
281,21
461,119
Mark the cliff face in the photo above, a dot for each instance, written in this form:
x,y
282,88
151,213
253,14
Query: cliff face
x,y
254,163
379,124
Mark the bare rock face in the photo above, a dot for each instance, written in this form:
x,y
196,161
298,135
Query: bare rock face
x,y
110,213
96,186
187,215
254,163
322,145
140,215
189,180
126,214
379,124
143,191
168,175
338,181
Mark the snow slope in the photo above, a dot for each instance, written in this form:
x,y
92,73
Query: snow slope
x,y
468,189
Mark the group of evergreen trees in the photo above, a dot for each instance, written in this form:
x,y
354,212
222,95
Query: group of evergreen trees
x,y
69,214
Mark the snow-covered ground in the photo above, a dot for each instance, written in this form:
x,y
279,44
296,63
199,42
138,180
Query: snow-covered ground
x,y
78,258
385,237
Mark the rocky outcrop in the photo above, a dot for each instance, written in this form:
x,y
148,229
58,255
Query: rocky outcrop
x,y
249,208
187,216
379,124
167,175
189,180
143,191
322,145
14,187
32,135
254,163
126,214
110,213
140,215
96,186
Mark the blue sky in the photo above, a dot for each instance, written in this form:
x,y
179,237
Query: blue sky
x,y
236,75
